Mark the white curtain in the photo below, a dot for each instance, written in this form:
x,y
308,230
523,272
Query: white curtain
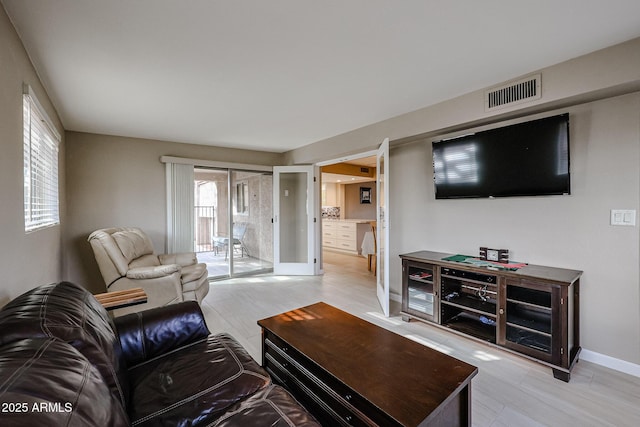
x,y
180,199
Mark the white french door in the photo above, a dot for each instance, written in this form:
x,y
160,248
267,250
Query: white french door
x,y
382,218
294,220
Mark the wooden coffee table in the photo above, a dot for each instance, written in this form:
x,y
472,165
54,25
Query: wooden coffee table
x,y
347,371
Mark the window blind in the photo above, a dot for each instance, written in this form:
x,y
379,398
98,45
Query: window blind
x,y
41,141
180,201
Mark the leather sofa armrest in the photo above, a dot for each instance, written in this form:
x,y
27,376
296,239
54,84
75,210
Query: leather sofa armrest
x,y
183,259
151,333
152,272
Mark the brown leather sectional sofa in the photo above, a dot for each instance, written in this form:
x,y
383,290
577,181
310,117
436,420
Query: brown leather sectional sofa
x,y
63,361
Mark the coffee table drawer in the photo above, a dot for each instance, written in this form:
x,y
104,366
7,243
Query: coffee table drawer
x,y
312,395
296,371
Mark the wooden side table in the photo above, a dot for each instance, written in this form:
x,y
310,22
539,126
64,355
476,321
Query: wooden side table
x,y
120,299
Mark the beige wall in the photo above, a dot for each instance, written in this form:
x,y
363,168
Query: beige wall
x,y
353,208
26,260
564,231
117,181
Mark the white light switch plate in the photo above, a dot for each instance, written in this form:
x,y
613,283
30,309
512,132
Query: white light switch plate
x,y
623,217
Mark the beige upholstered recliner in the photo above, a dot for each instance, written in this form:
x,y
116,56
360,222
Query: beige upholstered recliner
x,y
126,259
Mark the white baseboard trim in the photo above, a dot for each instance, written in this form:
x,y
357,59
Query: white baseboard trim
x,y
610,362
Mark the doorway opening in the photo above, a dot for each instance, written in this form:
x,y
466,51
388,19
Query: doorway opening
x,y
349,201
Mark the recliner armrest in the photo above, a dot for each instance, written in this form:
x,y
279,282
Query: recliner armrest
x,y
152,272
151,333
183,259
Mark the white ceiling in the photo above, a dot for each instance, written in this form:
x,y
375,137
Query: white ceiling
x,y
279,74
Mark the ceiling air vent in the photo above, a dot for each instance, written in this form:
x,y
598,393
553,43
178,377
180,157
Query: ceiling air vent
x,y
513,93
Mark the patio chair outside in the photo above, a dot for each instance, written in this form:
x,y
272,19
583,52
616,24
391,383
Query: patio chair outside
x,y
222,242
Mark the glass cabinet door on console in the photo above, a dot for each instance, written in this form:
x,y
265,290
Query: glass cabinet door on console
x,y
532,320
419,290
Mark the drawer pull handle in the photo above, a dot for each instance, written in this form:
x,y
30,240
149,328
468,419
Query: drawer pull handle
x,y
348,397
348,418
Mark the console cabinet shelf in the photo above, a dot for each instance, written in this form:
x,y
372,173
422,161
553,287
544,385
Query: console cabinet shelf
x,y
532,311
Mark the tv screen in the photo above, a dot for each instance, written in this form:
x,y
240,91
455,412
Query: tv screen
x,y
525,159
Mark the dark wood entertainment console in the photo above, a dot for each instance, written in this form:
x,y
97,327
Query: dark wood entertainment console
x,y
532,311
349,372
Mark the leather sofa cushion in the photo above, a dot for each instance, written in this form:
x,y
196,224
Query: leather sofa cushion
x,y
149,260
133,244
195,384
152,272
273,407
150,333
62,384
193,273
183,259
70,313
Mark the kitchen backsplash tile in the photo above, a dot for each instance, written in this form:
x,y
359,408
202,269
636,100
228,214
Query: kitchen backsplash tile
x,y
331,212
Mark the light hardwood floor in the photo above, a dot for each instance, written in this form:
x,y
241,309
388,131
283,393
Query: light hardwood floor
x,y
508,390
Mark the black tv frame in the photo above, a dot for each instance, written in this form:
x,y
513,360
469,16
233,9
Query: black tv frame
x,y
500,156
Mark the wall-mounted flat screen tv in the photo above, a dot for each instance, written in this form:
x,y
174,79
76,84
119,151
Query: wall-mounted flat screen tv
x,y
525,159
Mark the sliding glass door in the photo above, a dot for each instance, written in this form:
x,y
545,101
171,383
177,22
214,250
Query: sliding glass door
x,y
251,214
233,212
